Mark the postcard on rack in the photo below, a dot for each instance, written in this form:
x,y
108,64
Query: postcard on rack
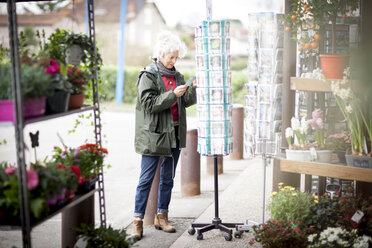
x,y
217,129
215,79
216,95
202,113
199,46
227,45
215,62
200,78
217,112
201,95
264,93
202,129
215,45
264,112
214,28
217,146
227,28
228,78
200,62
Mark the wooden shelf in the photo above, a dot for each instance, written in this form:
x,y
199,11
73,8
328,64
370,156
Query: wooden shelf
x,y
326,170
310,84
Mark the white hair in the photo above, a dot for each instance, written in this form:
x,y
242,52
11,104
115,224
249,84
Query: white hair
x,y
167,42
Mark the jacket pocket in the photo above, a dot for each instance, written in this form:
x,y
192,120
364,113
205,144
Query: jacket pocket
x,y
159,143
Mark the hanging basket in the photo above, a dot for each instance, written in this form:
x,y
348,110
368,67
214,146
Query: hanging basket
x,y
76,101
73,55
333,65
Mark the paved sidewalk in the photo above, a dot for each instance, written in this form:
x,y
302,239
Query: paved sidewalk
x,y
240,187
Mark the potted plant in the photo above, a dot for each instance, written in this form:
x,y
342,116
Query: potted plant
x,y
89,158
102,237
9,196
62,39
59,100
78,80
339,143
353,103
301,147
307,17
36,85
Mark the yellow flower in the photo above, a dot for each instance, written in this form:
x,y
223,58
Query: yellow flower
x,y
294,194
281,183
316,197
291,189
282,189
316,201
274,193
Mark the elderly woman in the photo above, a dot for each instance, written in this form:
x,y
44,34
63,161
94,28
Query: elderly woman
x,y
161,129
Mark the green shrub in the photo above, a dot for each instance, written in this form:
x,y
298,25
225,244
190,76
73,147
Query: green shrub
x,y
108,83
239,79
238,64
290,205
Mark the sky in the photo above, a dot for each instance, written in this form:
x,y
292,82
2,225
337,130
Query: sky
x,y
194,11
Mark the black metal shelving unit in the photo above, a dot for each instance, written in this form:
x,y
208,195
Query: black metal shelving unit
x,y
25,222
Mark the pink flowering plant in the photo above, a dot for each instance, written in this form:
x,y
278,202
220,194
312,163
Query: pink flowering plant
x,y
317,126
280,234
89,158
9,198
338,141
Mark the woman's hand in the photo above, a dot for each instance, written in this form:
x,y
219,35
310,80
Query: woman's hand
x,y
180,90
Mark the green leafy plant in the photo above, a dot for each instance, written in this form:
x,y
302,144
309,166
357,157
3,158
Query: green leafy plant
x,y
323,214
103,237
337,237
290,204
348,206
61,39
88,157
280,234
306,17
35,82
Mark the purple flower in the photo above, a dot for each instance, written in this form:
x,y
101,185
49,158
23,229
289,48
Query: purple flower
x,y
76,153
63,153
32,179
317,113
53,68
10,170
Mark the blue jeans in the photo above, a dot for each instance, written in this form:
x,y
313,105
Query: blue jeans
x,y
149,165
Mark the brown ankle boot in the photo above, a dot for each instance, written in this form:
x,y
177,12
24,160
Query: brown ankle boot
x,y
137,229
161,223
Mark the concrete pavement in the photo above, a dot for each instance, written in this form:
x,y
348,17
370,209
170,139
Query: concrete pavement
x,y
240,187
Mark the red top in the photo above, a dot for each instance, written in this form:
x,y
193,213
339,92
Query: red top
x,y
170,84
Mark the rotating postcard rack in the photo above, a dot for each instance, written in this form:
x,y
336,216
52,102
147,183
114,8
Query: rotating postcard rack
x,y
265,68
214,109
214,95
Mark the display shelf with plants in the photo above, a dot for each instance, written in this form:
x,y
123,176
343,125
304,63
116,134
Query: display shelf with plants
x,y
32,193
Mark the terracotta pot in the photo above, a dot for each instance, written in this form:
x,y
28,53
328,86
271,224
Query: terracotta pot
x,y
333,65
76,101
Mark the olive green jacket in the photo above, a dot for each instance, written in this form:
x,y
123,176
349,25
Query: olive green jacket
x,y
155,134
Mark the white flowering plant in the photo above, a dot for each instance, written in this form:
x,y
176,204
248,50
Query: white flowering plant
x,y
296,134
337,237
353,104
